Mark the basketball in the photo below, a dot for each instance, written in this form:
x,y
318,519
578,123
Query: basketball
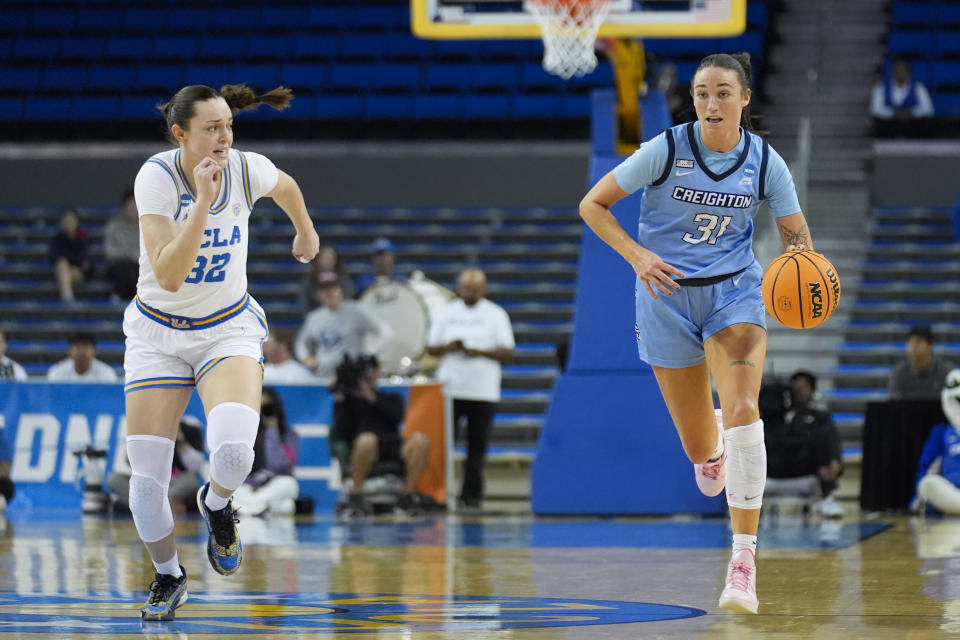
x,y
801,289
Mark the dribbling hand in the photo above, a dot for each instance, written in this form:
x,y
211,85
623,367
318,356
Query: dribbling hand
x,y
654,272
306,246
206,175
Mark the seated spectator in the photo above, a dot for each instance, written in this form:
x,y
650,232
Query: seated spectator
x,y
121,244
69,254
383,264
900,105
328,259
920,374
279,365
9,370
369,421
271,487
185,478
7,488
803,445
81,365
338,328
938,477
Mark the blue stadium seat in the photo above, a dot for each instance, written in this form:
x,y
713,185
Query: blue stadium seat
x,y
212,75
533,106
22,79
81,48
35,48
14,20
448,76
262,77
403,76
11,109
96,108
922,71
533,76
575,106
381,18
946,74
757,15
388,107
502,76
45,20
487,107
270,46
330,18
947,44
163,78
949,15
352,76
6,48
512,49
457,49
406,46
287,18
751,41
304,75
946,104
913,14
362,46
303,107
42,108
438,107
128,47
685,71
221,47
172,47
339,107
194,19
97,20
315,46
115,78
909,43
141,107
600,77
230,17
57,78
144,17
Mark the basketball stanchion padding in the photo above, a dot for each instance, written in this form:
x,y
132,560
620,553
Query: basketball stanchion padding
x,y
801,289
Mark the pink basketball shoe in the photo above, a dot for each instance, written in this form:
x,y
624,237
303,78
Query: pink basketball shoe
x,y
712,475
740,591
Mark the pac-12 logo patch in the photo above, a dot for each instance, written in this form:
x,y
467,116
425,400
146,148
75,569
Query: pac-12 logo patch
x,y
255,614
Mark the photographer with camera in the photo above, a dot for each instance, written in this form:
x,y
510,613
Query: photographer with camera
x,y
369,421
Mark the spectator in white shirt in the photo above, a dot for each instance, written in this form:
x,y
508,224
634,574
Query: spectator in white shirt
x,y
475,337
279,366
82,364
900,105
9,370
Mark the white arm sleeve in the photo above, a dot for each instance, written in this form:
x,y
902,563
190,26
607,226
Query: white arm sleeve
x,y
263,174
155,191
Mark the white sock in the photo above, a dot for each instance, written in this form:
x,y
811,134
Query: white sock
x,y
744,541
214,501
169,568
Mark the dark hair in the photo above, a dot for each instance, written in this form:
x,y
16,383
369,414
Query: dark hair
x,y
283,336
127,194
924,333
271,393
239,97
739,63
81,337
806,375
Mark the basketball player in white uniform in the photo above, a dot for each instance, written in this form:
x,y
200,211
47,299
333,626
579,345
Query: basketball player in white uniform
x,y
193,324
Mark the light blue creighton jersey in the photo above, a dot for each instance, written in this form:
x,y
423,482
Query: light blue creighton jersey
x,y
698,205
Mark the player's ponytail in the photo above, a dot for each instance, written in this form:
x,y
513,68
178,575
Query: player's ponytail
x,y
739,63
240,97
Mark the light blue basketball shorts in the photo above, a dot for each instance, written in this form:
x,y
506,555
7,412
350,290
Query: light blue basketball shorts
x,y
671,330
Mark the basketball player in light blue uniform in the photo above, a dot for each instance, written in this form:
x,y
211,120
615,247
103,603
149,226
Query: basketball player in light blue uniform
x,y
193,324
699,305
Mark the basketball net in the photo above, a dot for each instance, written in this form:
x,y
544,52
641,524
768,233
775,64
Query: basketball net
x,y
569,30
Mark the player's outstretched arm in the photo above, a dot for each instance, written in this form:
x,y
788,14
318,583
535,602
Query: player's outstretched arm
x,y
287,195
794,232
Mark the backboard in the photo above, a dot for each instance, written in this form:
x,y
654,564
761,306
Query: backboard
x,y
495,19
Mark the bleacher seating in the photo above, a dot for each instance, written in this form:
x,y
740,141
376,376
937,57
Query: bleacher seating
x,y
928,33
530,257
55,57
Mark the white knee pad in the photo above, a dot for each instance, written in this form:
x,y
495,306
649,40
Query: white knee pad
x,y
151,459
231,432
746,466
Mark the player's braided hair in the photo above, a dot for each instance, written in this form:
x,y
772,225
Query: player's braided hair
x,y
739,63
239,97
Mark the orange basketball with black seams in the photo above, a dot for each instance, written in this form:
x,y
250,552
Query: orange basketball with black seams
x,y
801,289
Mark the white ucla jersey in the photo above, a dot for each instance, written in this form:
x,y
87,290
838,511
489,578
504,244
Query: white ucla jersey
x,y
699,221
219,276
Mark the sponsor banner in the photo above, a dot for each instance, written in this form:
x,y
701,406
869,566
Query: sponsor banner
x,y
45,424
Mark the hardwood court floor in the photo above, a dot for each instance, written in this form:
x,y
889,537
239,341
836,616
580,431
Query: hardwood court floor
x,y
513,577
